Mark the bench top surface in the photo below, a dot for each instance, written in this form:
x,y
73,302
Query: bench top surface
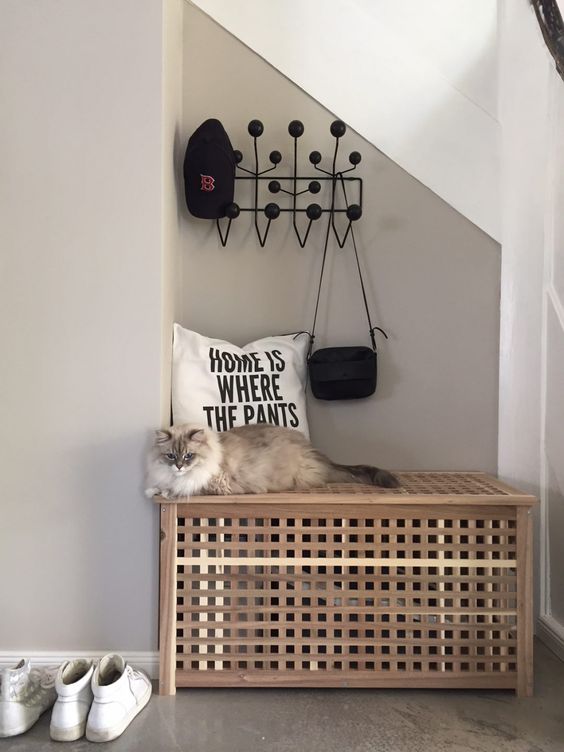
x,y
448,488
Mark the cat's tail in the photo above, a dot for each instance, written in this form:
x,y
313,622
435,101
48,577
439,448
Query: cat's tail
x,y
372,476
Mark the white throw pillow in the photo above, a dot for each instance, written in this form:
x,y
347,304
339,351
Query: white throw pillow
x,y
220,385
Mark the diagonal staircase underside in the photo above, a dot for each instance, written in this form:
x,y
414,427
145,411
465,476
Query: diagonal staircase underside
x,y
349,57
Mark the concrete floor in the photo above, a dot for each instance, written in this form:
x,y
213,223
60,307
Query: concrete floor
x,y
270,720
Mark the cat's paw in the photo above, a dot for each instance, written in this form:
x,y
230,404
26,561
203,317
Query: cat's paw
x,y
150,493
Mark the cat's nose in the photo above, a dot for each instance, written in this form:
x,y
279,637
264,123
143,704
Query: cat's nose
x,y
179,465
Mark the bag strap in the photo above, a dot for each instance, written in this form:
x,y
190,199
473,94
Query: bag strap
x,y
371,329
325,246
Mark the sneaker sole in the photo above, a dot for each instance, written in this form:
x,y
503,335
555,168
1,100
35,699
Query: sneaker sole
x,y
106,735
67,734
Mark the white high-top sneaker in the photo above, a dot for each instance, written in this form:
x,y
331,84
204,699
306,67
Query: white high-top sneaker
x,y
120,692
74,698
25,693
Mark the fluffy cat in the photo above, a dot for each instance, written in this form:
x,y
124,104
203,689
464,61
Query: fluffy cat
x,y
190,460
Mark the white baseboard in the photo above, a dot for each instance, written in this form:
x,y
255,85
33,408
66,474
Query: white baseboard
x,y
551,632
148,662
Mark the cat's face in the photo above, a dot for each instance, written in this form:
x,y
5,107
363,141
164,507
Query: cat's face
x,y
181,451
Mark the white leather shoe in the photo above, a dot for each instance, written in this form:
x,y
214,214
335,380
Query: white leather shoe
x,y
74,698
25,693
120,693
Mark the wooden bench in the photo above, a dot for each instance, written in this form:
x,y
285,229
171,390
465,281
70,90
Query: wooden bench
x,y
429,585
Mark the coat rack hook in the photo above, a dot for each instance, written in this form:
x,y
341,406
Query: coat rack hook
x,y
292,186
232,211
353,211
271,211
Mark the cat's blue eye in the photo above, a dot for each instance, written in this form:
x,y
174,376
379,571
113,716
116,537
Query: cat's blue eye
x,y
170,456
188,455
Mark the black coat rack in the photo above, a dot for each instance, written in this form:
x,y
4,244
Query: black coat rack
x,y
339,180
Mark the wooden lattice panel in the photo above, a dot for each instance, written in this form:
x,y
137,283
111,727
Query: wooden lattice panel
x,y
385,593
430,484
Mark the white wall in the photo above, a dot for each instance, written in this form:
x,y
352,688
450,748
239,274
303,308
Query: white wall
x,y
531,419
432,276
416,79
458,38
82,237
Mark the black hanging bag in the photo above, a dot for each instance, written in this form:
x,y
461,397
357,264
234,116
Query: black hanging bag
x,y
339,373
343,373
209,171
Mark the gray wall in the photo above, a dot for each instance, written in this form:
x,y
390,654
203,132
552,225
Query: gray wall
x,y
433,277
80,325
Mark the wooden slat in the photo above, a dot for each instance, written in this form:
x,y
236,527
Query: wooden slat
x,y
315,577
167,613
339,506
377,529
525,602
346,655
421,487
208,506
374,642
407,611
262,561
333,600
382,598
381,679
398,661
348,609
245,546
407,625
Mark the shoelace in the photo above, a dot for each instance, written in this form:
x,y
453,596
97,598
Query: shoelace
x,y
40,683
133,674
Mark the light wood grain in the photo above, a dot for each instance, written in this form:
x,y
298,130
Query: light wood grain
x,y
472,488
300,561
352,587
344,679
525,602
167,599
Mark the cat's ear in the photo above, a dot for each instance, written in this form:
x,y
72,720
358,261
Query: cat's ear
x,y
198,435
161,437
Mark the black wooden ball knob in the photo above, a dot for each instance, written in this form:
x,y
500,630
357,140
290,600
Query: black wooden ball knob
x,y
274,186
313,211
255,128
315,157
314,186
355,157
354,212
272,211
275,157
338,128
232,211
237,156
296,128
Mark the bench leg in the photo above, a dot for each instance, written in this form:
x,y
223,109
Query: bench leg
x,y
167,598
524,602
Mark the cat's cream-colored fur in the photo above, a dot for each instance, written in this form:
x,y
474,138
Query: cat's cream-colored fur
x,y
190,460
